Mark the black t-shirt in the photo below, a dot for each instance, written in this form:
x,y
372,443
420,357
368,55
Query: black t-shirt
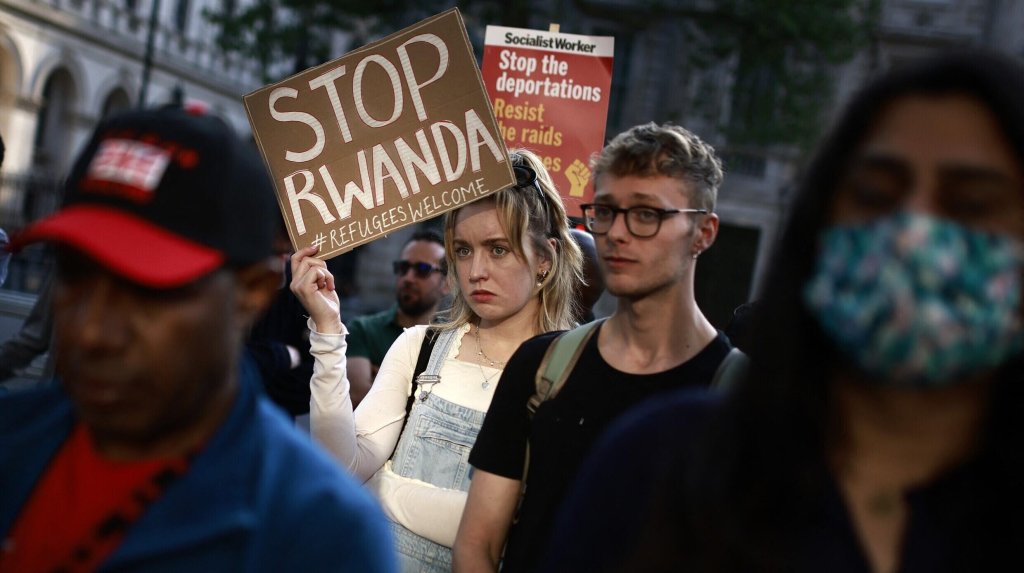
x,y
564,429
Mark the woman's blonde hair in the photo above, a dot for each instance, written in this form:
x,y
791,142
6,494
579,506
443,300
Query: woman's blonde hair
x,y
536,212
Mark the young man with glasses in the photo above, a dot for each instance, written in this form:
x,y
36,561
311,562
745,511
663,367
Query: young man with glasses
x,y
420,285
652,216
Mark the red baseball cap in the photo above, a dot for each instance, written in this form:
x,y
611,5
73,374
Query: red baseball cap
x,y
163,197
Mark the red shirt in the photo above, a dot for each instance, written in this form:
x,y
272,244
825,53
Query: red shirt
x,y
82,506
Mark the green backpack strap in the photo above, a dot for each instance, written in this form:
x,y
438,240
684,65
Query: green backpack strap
x,y
732,369
559,360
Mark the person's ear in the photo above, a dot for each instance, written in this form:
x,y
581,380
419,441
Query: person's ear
x,y
257,285
707,232
547,257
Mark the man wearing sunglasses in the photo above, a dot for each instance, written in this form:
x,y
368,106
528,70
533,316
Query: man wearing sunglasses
x,y
420,284
652,216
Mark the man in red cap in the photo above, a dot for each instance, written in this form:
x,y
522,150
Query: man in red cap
x,y
156,451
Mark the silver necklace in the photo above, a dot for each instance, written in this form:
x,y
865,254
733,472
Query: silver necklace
x,y
480,352
487,379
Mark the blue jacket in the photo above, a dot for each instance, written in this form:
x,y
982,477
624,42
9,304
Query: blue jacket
x,y
258,497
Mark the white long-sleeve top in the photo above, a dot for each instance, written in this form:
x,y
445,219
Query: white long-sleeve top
x,y
365,439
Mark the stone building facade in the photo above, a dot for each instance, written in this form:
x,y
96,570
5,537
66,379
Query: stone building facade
x,y
65,64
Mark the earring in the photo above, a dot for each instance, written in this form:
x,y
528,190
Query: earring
x,y
540,278
696,254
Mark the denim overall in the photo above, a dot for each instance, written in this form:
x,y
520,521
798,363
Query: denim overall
x,y
434,447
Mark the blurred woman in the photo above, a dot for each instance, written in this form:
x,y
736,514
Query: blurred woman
x,y
513,267
879,428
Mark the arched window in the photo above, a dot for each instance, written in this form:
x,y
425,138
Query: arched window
x,y
117,100
53,123
181,16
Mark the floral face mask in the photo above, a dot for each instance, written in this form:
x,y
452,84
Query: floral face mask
x,y
918,301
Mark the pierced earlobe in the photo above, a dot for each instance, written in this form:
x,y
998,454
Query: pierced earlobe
x,y
541,276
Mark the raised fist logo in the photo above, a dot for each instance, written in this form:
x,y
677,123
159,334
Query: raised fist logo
x,y
578,174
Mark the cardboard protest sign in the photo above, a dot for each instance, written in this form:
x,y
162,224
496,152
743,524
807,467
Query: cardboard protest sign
x,y
398,131
550,94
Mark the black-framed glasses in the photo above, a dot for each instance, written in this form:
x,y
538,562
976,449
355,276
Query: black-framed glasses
x,y
641,222
422,270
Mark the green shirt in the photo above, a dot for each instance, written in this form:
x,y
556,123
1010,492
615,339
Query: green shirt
x,y
370,336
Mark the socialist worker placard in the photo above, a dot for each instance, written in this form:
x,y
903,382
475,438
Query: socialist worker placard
x,y
550,94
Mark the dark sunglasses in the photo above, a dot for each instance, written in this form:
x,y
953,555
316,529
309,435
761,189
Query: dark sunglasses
x,y
525,177
422,270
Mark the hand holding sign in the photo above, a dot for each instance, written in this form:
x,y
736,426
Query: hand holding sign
x,y
313,285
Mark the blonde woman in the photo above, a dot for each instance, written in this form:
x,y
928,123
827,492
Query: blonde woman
x,y
513,269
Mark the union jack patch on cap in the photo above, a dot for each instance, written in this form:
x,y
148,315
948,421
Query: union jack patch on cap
x,y
162,197
132,167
